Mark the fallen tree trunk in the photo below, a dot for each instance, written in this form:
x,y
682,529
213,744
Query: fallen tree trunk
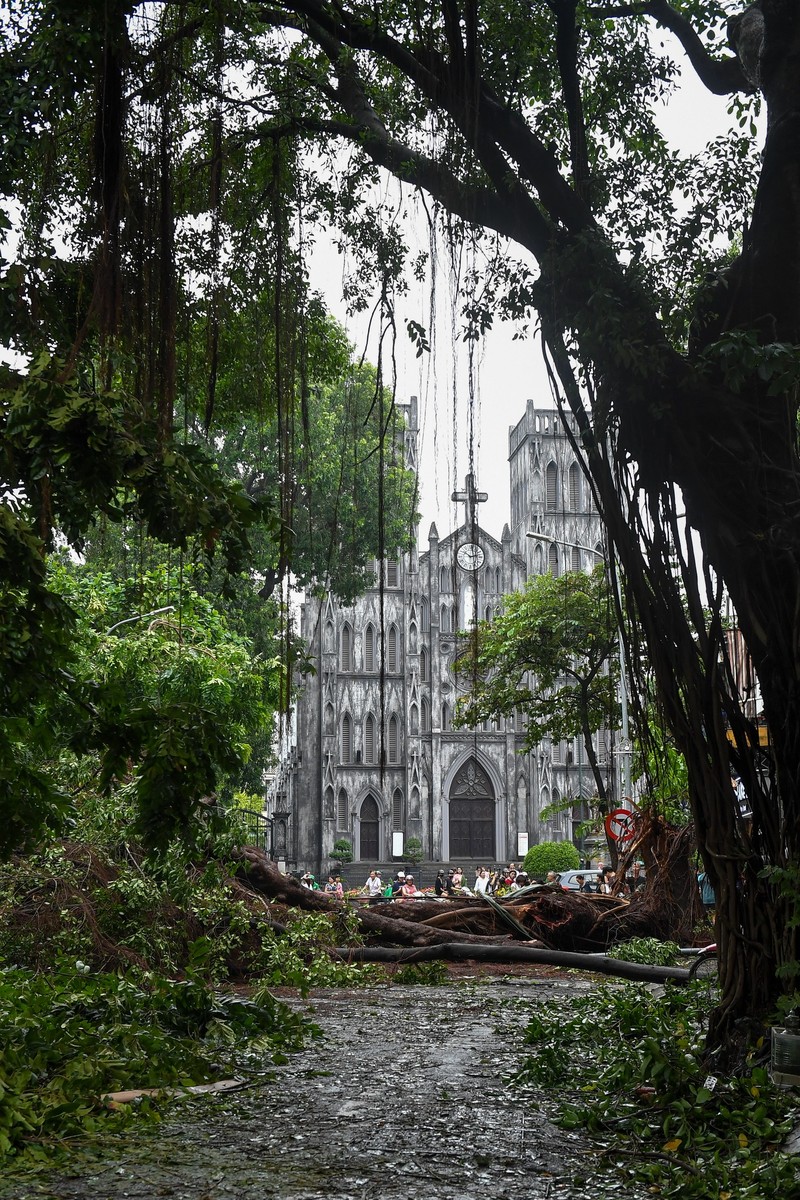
x,y
564,922
512,952
414,933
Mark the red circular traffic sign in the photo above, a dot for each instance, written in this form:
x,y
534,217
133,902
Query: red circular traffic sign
x,y
620,825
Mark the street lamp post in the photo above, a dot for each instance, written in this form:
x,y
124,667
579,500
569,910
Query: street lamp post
x,y
624,781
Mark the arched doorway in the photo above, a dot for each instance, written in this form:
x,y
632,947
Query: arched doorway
x,y
369,830
472,814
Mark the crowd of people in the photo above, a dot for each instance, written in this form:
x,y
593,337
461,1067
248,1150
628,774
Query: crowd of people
x,y
487,881
498,881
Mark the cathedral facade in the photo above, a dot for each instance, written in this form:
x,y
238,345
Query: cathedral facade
x,y
377,759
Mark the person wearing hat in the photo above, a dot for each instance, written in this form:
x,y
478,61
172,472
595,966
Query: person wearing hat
x,y
398,882
308,881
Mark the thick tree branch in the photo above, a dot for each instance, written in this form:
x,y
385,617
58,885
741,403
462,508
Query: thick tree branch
x,y
480,116
721,76
567,55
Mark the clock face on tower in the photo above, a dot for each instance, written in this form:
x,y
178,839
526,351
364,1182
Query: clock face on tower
x,y
470,556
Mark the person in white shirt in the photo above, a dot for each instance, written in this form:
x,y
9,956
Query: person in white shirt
x,y
481,881
373,886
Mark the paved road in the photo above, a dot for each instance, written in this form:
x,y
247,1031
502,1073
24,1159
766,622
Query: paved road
x,y
405,1097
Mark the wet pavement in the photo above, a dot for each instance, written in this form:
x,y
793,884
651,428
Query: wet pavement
x,y
406,1096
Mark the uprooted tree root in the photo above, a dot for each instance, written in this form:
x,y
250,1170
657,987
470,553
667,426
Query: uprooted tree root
x,y
80,905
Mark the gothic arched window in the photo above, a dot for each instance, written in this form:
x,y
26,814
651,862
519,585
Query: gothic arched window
x,y
391,649
346,649
423,665
575,488
551,487
369,739
369,648
394,740
552,560
346,740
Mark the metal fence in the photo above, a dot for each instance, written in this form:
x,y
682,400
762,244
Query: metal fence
x,y
258,829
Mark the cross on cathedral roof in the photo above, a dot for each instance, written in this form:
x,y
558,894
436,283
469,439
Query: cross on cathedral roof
x,y
470,497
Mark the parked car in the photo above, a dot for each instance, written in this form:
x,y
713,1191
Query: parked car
x,y
568,879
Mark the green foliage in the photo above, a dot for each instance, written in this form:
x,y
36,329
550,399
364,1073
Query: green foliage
x,y
301,957
342,850
550,856
162,709
413,850
352,500
70,1037
110,905
550,655
662,1120
430,974
648,950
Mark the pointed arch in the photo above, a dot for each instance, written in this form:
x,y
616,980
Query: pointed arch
x,y
551,487
393,740
368,829
370,728
397,809
575,488
346,648
369,648
473,818
346,739
342,822
392,651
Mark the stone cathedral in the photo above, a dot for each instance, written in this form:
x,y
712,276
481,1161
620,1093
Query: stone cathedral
x,y
376,759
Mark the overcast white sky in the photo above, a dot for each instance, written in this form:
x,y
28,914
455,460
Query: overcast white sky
x,y
508,371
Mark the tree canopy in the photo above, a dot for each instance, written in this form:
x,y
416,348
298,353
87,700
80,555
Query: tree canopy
x,y
549,656
666,288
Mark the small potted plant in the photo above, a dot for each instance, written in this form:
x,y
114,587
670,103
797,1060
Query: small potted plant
x,y
342,852
414,851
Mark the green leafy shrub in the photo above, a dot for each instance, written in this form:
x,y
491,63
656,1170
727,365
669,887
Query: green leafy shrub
x,y
342,850
663,1122
550,856
414,852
